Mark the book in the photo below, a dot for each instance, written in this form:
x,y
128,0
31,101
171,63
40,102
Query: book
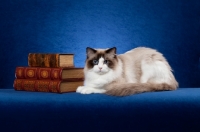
x,y
69,74
55,86
50,60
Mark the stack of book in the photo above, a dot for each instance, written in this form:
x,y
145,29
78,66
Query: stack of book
x,y
49,73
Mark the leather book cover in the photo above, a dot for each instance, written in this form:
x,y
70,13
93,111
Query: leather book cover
x,y
56,86
28,85
42,85
24,85
70,74
19,72
32,73
44,73
50,60
18,84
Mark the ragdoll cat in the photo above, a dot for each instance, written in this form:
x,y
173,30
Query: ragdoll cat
x,y
136,71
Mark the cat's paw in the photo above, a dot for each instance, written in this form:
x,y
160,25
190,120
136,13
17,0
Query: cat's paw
x,y
79,89
84,90
88,90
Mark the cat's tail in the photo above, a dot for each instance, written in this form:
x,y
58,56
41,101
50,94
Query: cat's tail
x,y
134,88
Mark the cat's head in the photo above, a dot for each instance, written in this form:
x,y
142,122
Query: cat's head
x,y
101,61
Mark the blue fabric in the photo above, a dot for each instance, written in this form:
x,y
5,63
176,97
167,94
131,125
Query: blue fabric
x,y
69,26
176,111
170,26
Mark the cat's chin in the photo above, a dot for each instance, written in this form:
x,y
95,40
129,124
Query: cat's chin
x,y
101,73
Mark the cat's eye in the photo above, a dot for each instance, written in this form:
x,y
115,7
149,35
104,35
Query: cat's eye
x,y
105,61
95,62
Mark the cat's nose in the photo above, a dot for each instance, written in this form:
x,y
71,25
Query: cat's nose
x,y
100,68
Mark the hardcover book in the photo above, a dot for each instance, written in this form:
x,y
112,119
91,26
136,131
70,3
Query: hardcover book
x,y
56,86
69,74
50,60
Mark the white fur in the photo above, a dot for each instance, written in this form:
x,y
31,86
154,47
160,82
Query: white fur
x,y
101,68
129,72
95,80
89,90
156,72
140,65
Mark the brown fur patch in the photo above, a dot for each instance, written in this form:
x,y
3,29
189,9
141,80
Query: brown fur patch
x,y
97,54
130,63
135,88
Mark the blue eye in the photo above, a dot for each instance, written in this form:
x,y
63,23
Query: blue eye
x,y
106,62
95,62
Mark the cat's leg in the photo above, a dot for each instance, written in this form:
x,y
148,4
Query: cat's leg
x,y
89,90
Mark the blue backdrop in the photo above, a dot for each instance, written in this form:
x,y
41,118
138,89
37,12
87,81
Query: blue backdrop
x,y
69,26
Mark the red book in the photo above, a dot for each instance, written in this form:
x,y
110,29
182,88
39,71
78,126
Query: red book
x,y
69,74
56,86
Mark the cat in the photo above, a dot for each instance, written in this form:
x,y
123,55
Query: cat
x,y
136,71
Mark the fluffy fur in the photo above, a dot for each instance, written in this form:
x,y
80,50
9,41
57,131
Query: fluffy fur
x,y
136,71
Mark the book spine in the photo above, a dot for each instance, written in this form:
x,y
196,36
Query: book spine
x,y
30,73
19,72
38,73
54,86
37,85
25,72
18,84
43,60
42,85
28,85
44,73
56,73
24,84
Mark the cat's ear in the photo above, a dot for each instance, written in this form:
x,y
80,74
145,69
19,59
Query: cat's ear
x,y
112,51
90,51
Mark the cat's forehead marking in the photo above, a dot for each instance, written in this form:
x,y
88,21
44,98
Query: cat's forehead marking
x,y
100,55
101,60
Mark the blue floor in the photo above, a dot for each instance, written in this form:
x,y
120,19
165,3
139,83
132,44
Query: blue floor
x,y
156,111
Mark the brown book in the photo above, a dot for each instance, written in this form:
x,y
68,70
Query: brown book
x,y
56,86
69,74
50,60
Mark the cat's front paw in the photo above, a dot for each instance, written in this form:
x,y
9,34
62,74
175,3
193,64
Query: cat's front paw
x,y
79,89
88,90
84,90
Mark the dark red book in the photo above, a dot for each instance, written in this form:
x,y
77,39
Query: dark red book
x,y
69,74
56,86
